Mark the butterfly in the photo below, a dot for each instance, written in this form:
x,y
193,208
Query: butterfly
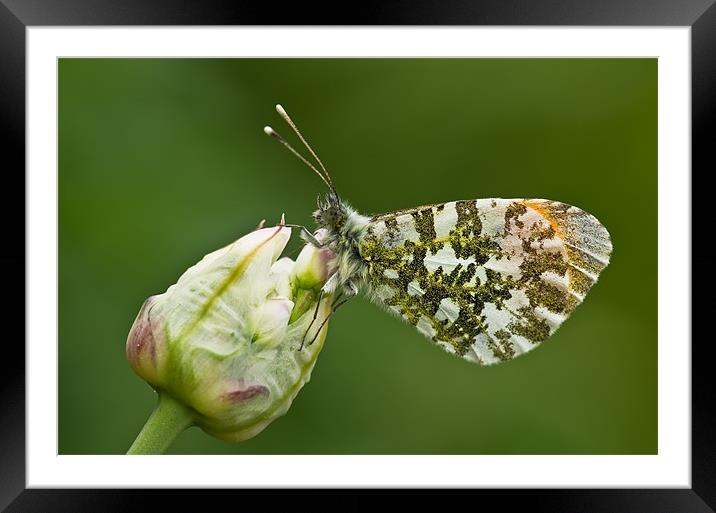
x,y
485,279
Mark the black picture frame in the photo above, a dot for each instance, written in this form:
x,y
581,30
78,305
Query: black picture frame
x,y
17,15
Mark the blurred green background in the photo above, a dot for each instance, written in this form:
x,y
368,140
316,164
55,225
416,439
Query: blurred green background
x,y
163,161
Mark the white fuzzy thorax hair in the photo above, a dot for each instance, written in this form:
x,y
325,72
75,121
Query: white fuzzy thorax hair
x,y
341,228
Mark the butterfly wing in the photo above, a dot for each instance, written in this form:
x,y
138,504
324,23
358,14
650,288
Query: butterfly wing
x,y
485,279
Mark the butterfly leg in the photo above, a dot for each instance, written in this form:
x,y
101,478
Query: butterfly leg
x,y
315,315
348,293
333,310
306,234
330,287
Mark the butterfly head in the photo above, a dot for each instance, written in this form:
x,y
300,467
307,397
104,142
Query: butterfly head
x,y
331,213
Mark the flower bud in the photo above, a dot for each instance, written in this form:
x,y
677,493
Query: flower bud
x,y
231,338
314,265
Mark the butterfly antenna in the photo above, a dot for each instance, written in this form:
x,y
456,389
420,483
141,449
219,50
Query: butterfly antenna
x,y
282,112
273,133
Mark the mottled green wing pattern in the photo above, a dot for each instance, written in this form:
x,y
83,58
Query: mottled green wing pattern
x,y
485,279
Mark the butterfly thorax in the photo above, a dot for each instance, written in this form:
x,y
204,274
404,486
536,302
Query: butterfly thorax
x,y
341,228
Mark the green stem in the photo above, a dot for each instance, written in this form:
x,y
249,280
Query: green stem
x,y
168,419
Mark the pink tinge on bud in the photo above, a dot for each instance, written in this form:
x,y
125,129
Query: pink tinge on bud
x,y
241,392
144,343
327,262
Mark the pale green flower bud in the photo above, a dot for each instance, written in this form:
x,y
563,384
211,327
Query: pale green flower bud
x,y
313,265
225,339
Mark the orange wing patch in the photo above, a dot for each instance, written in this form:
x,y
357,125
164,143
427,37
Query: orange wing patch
x,y
587,242
541,210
